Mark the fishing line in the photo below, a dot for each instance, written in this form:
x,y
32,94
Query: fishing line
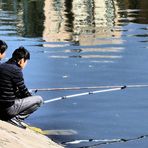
x,y
35,90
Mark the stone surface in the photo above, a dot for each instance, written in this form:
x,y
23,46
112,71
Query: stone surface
x,y
15,137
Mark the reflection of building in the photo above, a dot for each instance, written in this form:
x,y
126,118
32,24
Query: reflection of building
x,y
76,20
91,23
55,21
88,19
98,17
83,18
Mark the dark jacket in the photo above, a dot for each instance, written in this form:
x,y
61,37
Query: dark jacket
x,y
11,83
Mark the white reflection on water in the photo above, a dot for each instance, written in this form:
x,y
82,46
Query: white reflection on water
x,y
87,56
111,49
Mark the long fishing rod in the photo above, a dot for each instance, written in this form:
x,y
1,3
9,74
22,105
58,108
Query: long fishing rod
x,y
89,87
85,93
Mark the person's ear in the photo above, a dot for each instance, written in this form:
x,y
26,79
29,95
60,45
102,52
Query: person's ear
x,y
2,55
21,62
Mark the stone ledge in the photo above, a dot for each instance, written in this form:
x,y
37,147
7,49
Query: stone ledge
x,y
15,137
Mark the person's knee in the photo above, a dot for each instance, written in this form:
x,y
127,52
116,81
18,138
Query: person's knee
x,y
39,100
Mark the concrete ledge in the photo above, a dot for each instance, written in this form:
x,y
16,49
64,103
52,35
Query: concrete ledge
x,y
15,137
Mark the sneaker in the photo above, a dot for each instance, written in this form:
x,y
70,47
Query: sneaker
x,y
16,122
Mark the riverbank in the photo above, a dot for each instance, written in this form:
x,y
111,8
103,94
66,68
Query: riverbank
x,y
14,137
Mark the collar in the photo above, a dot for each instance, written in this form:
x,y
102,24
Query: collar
x,y
11,61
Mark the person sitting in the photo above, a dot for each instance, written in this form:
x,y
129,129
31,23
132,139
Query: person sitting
x,y
16,102
3,47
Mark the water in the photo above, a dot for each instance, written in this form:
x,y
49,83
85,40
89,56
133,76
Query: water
x,y
84,43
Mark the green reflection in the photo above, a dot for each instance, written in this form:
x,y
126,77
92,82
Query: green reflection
x,y
33,17
141,16
29,16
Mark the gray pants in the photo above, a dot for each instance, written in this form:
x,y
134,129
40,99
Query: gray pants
x,y
22,108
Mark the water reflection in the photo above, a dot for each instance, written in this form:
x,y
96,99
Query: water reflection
x,y
135,9
88,24
55,27
83,43
26,16
72,20
85,23
80,21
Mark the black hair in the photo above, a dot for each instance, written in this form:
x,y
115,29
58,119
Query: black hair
x,y
3,46
20,53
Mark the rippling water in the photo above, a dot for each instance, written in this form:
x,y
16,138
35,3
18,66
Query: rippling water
x,y
84,43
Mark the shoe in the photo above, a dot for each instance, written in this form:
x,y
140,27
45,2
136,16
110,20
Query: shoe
x,y
16,122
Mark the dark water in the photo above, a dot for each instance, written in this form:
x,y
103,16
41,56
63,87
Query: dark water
x,y
84,43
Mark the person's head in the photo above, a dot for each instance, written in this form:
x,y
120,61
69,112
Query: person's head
x,y
21,55
3,47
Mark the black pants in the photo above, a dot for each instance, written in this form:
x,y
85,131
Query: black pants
x,y
22,108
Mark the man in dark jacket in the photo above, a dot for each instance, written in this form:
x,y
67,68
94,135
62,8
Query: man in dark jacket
x,y
16,102
3,47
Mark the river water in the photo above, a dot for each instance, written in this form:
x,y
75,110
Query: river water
x,y
81,44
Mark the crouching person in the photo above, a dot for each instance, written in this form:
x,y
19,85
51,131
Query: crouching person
x,y
16,102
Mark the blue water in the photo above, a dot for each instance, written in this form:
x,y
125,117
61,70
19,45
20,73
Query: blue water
x,y
98,46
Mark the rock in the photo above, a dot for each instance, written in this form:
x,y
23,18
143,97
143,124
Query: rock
x,y
15,137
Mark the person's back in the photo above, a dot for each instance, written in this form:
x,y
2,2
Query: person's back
x,y
7,95
10,75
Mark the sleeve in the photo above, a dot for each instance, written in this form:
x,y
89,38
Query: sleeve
x,y
21,89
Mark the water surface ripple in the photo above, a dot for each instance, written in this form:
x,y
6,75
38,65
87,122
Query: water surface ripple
x,y
84,43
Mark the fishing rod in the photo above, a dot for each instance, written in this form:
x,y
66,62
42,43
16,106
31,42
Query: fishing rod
x,y
90,141
85,93
102,141
106,141
35,90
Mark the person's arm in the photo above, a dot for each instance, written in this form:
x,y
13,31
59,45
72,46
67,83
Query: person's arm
x,y
21,89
